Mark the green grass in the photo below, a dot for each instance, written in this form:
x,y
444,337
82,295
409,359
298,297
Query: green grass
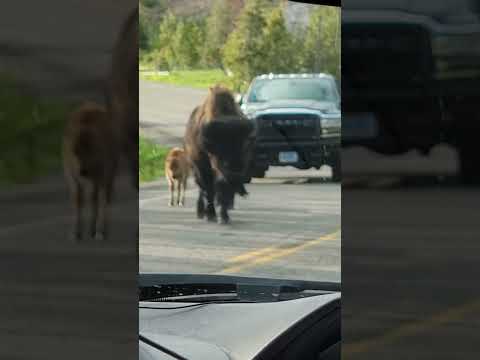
x,y
152,160
192,78
31,135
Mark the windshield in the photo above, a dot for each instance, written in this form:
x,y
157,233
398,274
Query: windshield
x,y
292,89
218,194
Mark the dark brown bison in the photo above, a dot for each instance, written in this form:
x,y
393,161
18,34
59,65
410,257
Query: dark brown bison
x,y
218,143
122,91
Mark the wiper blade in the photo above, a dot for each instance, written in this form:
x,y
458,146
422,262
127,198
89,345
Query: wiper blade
x,y
195,305
168,291
153,279
241,292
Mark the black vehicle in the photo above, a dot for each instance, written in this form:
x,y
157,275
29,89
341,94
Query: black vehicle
x,y
198,317
411,77
298,121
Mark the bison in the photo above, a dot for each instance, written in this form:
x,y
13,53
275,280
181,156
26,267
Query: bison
x,y
122,92
218,144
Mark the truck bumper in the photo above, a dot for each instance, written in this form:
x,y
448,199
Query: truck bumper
x,y
310,154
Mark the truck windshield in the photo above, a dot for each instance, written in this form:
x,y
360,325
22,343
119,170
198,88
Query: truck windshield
x,y
293,89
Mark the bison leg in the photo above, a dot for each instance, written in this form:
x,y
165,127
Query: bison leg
x,y
205,180
225,196
208,193
200,205
209,210
242,191
224,217
211,213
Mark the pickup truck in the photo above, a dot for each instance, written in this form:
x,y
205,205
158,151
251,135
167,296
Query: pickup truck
x,y
411,77
298,122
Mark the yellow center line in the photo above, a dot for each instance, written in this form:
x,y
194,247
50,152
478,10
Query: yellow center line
x,y
257,257
414,328
251,254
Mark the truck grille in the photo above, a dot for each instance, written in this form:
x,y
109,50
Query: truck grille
x,y
282,127
385,55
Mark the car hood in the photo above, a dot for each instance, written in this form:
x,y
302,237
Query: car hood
x,y
187,347
322,106
222,331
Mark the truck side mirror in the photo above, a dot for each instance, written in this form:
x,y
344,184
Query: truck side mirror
x,y
239,99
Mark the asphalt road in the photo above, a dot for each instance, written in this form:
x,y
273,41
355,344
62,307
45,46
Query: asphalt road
x,y
410,272
409,257
61,299
288,227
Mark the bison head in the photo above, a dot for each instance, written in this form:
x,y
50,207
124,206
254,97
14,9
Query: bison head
x,y
229,143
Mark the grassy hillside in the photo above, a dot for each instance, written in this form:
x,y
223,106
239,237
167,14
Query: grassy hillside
x,y
31,136
192,78
152,160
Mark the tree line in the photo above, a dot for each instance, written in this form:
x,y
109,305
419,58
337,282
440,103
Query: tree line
x,y
254,41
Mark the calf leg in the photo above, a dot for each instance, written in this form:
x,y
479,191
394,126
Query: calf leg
x,y
77,195
171,188
99,218
94,214
184,188
179,191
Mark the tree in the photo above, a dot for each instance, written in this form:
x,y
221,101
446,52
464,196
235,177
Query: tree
x,y
186,44
165,41
143,31
150,13
243,53
322,42
278,45
218,26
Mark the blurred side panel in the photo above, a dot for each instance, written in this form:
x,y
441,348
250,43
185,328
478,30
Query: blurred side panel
x,y
69,212
410,125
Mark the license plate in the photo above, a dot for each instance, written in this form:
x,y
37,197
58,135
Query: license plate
x,y
359,126
288,157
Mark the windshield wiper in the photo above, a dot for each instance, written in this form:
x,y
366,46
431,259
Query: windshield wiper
x,y
224,293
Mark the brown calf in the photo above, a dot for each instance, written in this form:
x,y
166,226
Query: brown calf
x,y
177,170
90,159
